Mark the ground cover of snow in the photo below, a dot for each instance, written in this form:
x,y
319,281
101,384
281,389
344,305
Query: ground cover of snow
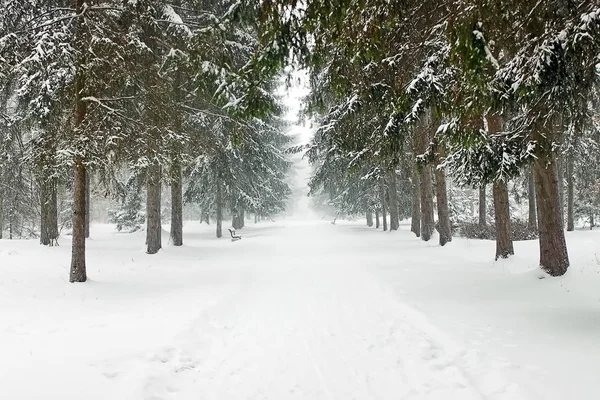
x,y
297,310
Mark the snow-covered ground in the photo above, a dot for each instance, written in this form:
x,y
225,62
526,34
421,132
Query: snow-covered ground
x,y
297,310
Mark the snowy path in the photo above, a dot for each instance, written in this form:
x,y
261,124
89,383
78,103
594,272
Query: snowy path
x,y
293,311
309,324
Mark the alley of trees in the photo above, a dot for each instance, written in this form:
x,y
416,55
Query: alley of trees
x,y
413,101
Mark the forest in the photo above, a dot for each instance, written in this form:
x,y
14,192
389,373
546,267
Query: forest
x,y
416,105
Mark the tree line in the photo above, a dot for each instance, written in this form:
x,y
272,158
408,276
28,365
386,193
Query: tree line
x,y
486,91
134,96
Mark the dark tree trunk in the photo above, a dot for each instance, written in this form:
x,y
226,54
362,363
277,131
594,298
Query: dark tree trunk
x,y
561,187
591,223
176,205
242,218
415,223
78,268
504,244
369,218
153,223
554,258
87,204
377,223
393,201
383,205
77,272
532,220
427,215
482,206
49,212
570,194
219,211
1,214
256,218
444,225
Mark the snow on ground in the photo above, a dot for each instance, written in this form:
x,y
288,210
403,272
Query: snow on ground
x,y
297,310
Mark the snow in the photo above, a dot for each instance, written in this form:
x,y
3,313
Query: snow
x,y
298,309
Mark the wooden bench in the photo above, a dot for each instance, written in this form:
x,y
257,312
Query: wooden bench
x,y
234,236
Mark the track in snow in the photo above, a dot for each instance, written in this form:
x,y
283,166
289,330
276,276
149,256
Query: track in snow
x,y
310,322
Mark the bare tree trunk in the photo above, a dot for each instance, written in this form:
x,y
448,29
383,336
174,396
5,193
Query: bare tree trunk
x,y
78,268
153,223
219,207
49,211
427,214
532,220
592,224
393,198
377,223
176,205
369,218
1,213
415,223
482,206
570,194
444,225
383,204
242,218
504,243
554,258
87,205
561,187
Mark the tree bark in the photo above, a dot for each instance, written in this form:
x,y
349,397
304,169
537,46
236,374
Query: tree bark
x,y
415,223
219,211
570,195
383,204
369,218
532,220
393,200
377,223
153,223
242,218
554,258
504,243
77,272
87,205
561,187
1,214
444,224
482,207
427,214
49,211
591,222
176,205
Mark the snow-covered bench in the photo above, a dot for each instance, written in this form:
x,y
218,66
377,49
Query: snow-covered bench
x,y
234,236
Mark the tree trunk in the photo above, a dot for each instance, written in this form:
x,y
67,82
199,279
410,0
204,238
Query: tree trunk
x,y
444,225
561,187
153,223
78,267
383,205
369,218
49,212
504,244
87,205
554,258
242,218
570,194
176,205
377,223
591,222
219,211
77,272
393,201
1,214
256,218
482,207
427,215
532,220
415,223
